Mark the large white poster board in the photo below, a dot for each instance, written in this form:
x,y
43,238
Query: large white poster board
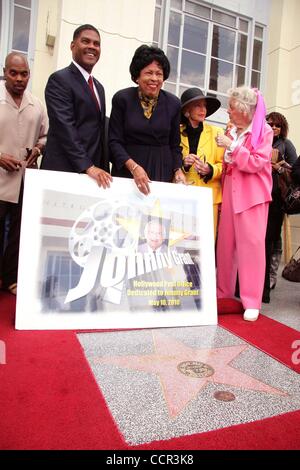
x,y
99,259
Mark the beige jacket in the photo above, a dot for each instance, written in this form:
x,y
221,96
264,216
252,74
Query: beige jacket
x,y
20,128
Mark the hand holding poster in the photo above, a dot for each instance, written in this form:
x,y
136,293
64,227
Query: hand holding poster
x,y
114,258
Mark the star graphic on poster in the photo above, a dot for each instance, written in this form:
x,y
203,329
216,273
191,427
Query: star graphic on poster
x,y
132,226
184,371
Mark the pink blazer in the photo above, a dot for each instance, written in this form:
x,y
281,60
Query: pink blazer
x,y
252,173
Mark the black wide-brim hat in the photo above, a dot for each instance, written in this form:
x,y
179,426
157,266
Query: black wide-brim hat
x,y
195,94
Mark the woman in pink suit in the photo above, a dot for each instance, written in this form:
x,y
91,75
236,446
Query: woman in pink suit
x,y
247,186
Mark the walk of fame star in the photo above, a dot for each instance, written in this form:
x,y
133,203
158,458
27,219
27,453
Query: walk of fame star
x,y
178,387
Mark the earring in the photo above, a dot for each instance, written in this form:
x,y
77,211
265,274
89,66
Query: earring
x,y
187,114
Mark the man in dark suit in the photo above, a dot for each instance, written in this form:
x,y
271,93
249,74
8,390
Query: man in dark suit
x,y
76,109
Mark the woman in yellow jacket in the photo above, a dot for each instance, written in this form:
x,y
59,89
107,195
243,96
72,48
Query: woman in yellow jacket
x,y
202,158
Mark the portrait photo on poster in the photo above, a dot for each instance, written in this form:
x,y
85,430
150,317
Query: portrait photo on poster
x,y
114,258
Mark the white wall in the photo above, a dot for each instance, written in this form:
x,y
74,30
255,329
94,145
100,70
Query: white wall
x,y
283,72
45,57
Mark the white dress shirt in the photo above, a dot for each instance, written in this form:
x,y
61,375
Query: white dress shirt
x,y
236,141
86,76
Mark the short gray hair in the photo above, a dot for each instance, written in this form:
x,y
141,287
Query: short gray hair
x,y
245,98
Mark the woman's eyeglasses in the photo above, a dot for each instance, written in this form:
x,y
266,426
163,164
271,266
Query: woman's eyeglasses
x,y
272,124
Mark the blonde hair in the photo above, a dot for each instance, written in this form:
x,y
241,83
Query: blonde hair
x,y
245,98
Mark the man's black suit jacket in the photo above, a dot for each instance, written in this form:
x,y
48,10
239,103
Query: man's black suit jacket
x,y
76,137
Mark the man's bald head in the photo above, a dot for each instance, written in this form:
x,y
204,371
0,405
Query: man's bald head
x,y
16,57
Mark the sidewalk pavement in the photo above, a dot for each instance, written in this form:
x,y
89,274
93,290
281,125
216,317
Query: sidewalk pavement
x,y
285,302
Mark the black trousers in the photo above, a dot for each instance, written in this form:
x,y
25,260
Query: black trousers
x,y
273,234
10,225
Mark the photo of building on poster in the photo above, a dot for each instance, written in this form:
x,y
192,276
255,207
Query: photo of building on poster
x,y
113,255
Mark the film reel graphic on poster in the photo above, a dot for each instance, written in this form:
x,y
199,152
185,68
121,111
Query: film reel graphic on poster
x,y
99,225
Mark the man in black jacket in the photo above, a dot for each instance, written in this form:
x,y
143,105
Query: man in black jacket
x,y
76,109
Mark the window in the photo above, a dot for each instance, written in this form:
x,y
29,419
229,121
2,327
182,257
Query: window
x,y
223,18
61,274
241,54
196,9
207,47
156,25
222,59
17,27
176,4
21,25
257,56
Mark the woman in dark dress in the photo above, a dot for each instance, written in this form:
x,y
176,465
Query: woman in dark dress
x,y
285,158
144,136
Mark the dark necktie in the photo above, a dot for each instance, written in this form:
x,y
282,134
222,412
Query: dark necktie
x,y
91,85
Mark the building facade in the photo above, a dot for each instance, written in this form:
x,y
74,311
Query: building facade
x,y
213,45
